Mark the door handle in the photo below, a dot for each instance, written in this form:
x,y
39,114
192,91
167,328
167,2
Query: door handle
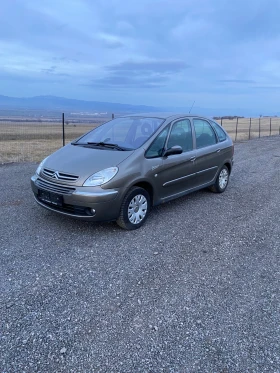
x,y
192,159
218,151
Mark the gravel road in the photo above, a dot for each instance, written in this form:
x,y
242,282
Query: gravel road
x,y
196,289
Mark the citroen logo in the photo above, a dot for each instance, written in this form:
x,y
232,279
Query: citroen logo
x,y
55,175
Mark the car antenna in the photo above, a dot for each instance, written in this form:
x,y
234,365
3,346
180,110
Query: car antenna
x,y
191,107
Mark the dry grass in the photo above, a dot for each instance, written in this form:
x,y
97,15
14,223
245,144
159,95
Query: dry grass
x,y
258,127
22,141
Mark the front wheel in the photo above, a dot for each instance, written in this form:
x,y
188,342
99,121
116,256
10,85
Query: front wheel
x,y
134,209
221,182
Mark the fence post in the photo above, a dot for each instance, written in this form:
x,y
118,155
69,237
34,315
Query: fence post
x,y
113,115
269,126
236,129
259,127
250,128
222,121
63,130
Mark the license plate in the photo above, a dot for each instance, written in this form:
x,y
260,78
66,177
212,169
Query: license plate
x,y
49,197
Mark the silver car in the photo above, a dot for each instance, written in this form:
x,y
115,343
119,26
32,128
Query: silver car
x,y
122,168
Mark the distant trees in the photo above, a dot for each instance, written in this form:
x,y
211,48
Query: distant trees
x,y
230,117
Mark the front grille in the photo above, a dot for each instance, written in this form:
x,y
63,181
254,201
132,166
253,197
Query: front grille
x,y
77,210
52,187
59,175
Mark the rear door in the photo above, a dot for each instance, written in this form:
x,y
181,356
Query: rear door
x,y
209,157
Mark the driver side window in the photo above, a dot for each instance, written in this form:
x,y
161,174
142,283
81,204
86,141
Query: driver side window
x,y
156,148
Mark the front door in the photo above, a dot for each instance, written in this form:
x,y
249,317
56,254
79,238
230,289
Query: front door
x,y
176,174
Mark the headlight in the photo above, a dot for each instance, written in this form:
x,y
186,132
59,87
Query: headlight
x,y
101,177
41,166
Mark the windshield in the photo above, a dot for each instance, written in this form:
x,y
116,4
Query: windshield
x,y
128,133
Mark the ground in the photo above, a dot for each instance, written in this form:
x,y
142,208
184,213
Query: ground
x,y
196,289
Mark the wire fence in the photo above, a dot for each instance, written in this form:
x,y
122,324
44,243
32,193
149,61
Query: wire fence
x,y
241,129
31,140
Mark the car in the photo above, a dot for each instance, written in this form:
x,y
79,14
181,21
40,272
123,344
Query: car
x,y
121,169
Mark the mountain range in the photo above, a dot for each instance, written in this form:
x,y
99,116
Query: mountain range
x,y
65,104
61,104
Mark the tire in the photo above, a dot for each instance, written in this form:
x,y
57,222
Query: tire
x,y
222,180
131,217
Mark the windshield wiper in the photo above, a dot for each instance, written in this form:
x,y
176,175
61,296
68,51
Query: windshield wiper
x,y
108,145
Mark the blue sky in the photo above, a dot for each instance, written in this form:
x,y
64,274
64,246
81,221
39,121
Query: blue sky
x,y
220,53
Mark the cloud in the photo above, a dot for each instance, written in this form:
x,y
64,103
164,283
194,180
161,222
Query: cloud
x,y
215,50
110,41
241,81
268,88
49,70
53,71
141,74
153,66
125,82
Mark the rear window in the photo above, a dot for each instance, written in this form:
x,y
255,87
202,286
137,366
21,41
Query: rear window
x,y
204,133
220,132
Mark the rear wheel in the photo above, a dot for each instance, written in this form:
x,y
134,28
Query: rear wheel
x,y
221,182
134,209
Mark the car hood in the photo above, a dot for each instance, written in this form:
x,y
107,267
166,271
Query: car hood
x,y
83,161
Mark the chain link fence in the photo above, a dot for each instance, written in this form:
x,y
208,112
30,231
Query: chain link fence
x,y
31,140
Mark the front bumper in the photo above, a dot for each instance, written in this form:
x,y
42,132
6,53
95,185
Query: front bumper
x,y
84,203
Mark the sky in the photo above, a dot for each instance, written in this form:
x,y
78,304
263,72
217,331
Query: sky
x,y
220,53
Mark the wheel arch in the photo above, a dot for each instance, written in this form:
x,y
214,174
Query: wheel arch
x,y
148,187
229,166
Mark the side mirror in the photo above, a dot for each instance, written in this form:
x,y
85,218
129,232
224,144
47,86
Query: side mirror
x,y
172,151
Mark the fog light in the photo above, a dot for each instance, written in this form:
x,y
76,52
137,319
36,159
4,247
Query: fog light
x,y
92,211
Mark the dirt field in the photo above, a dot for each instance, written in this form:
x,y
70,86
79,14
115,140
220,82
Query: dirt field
x,y
23,141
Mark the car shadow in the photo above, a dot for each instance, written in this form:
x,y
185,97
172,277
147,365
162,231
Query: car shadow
x,y
157,214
